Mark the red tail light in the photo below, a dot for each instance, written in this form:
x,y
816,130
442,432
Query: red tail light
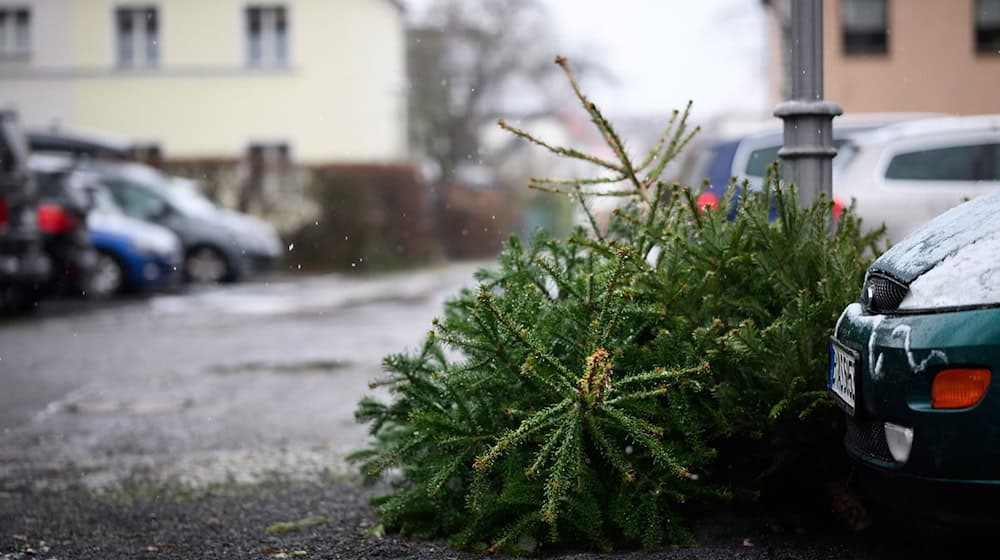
x,y
707,200
838,209
55,219
4,215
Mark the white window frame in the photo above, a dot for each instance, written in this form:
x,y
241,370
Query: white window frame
x,y
268,29
140,50
9,32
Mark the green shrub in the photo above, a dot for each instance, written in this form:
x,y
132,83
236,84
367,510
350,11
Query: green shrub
x,y
601,388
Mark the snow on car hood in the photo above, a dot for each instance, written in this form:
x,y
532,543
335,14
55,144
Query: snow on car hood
x,y
969,276
142,234
957,230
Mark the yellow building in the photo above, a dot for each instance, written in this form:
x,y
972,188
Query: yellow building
x,y
316,81
900,55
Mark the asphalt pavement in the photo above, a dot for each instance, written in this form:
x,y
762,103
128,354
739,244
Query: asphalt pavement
x,y
217,383
188,425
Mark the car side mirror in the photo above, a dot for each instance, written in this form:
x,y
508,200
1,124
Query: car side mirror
x,y
161,210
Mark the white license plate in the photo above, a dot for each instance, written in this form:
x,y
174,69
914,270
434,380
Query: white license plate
x,y
843,369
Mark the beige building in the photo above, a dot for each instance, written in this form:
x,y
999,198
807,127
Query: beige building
x,y
315,81
901,55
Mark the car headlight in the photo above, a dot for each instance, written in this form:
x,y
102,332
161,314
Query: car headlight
x,y
882,293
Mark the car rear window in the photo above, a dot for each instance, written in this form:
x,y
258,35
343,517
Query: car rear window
x,y
955,163
762,157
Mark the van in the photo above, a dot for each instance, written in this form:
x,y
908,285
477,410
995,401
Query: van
x,y
904,174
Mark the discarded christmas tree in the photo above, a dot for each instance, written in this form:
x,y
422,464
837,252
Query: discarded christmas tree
x,y
604,383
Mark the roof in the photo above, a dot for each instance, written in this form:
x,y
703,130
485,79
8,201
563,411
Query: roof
x,y
932,126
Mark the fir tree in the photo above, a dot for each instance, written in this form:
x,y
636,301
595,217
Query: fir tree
x,y
599,385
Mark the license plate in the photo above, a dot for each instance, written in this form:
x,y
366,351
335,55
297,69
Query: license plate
x,y
843,369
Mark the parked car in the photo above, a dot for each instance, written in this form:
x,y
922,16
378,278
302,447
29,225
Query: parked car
x,y
747,155
905,174
219,245
133,255
911,365
76,144
23,263
64,200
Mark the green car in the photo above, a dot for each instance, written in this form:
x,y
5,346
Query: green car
x,y
911,366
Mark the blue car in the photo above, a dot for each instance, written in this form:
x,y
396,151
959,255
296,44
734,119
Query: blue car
x,y
133,255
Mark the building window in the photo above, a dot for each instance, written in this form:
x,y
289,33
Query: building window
x,y
269,155
865,26
267,36
15,31
138,36
988,26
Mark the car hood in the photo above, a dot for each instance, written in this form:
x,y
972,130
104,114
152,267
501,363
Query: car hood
x,y
139,232
941,238
252,232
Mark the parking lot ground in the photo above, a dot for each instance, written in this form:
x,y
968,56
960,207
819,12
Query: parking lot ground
x,y
185,425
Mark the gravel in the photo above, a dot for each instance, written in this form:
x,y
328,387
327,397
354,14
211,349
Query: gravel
x,y
141,519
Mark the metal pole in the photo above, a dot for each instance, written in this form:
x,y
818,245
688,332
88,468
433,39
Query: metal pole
x,y
808,148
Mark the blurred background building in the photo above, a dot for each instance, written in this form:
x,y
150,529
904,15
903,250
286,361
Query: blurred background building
x,y
899,55
316,81
372,123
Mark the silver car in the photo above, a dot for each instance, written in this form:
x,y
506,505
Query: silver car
x,y
219,245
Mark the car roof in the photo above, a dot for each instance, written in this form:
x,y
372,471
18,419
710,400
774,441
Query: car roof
x,y
848,124
130,170
931,126
77,143
50,163
767,131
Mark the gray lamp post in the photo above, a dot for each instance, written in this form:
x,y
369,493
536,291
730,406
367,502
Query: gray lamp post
x,y
808,145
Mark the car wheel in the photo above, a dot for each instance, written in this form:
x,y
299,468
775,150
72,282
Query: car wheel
x,y
107,277
205,265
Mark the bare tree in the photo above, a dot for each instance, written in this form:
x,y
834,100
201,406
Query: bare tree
x,y
470,63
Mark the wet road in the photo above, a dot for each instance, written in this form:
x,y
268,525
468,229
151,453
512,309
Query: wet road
x,y
216,383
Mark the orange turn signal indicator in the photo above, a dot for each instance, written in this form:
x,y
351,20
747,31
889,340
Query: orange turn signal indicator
x,y
959,387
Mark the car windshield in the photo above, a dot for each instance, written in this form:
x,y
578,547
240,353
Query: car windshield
x,y
181,195
104,202
187,198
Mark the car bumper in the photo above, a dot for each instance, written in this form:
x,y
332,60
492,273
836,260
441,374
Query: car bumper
x,y
155,273
899,356
22,260
966,502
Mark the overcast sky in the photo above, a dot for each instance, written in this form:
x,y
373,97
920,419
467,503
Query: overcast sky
x,y
664,52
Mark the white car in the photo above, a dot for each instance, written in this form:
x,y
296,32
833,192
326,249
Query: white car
x,y
904,174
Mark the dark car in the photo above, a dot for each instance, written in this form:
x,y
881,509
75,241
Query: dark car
x,y
76,144
911,365
23,263
64,200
